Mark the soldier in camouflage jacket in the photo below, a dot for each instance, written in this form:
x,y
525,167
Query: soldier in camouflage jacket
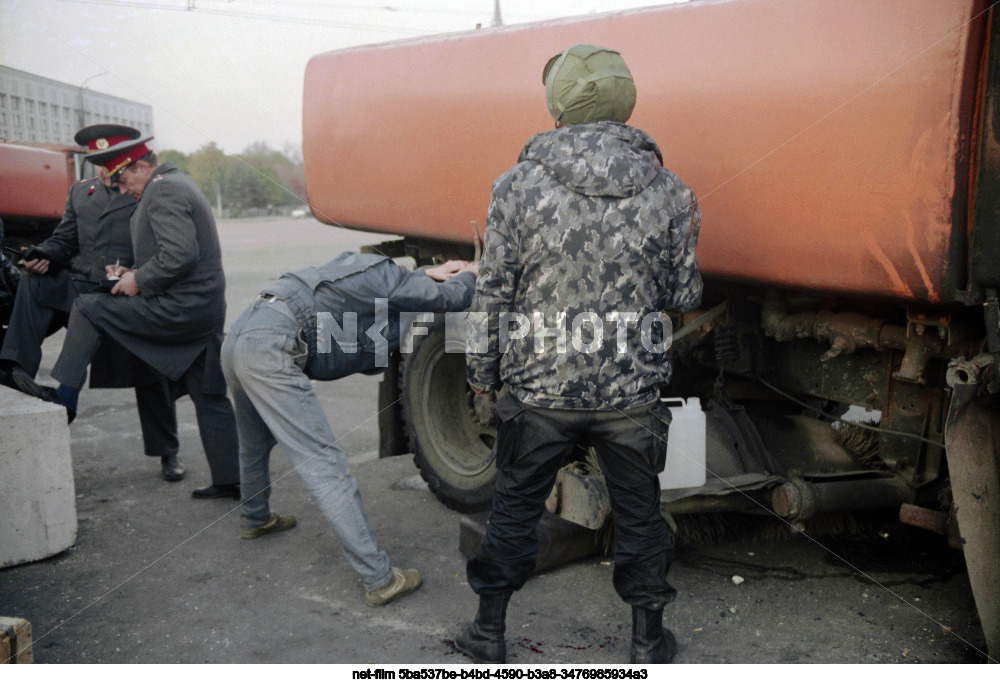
x,y
588,222
589,240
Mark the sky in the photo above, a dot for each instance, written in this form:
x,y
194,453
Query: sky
x,y
230,71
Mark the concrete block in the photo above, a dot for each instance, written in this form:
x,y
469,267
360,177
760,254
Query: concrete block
x,y
37,495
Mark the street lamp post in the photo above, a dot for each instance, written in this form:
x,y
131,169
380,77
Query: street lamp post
x,y
82,118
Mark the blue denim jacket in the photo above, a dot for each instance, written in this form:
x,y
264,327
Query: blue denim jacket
x,y
348,310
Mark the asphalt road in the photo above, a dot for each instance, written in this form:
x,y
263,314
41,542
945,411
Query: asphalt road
x,y
156,577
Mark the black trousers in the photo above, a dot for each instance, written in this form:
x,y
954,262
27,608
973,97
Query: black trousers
x,y
532,444
216,419
5,311
31,321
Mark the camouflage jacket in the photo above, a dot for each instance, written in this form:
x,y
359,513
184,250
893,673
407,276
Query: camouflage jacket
x,y
588,240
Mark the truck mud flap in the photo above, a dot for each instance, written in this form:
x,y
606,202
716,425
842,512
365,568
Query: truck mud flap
x,y
971,441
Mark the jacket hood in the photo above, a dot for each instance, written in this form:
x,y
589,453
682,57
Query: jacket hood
x,y
604,159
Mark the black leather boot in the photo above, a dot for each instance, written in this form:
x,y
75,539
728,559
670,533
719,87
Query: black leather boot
x,y
651,643
482,640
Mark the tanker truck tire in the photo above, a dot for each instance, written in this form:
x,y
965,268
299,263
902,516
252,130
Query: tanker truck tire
x,y
451,447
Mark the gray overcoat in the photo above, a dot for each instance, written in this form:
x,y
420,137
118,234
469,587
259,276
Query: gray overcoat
x,y
94,231
181,307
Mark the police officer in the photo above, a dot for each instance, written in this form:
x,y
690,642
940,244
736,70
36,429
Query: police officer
x,y
93,232
587,226
168,310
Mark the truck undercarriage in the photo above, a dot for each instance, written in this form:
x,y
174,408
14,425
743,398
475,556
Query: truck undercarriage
x,y
813,409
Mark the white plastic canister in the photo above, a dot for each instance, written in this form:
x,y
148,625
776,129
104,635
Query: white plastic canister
x,y
685,467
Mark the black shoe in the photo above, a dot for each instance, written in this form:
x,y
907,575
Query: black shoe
x,y
172,468
218,491
5,378
25,384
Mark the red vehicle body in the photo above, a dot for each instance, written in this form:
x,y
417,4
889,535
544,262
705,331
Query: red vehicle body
x,y
847,164
35,181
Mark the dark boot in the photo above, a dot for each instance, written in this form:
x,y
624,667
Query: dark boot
x,y
651,643
482,640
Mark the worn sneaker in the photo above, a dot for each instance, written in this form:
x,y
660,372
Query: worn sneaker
x,y
404,581
276,523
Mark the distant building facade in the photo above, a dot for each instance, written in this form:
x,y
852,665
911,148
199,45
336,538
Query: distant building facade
x,y
37,109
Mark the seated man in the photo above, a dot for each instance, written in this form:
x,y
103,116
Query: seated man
x,y
93,232
324,323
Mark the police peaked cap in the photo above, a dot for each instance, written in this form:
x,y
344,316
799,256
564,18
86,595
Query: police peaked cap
x,y
116,157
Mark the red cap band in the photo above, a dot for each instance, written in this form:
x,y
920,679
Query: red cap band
x,y
125,158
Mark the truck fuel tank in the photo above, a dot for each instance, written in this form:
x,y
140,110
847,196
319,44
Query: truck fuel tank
x,y
828,143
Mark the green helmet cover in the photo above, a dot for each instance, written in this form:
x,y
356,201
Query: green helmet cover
x,y
586,83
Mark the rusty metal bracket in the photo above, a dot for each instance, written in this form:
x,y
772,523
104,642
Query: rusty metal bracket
x,y
927,335
846,332
938,521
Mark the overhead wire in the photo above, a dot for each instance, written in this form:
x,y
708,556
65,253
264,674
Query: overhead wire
x,y
198,7
304,21
348,6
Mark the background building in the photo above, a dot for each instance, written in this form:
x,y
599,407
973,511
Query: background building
x,y
37,109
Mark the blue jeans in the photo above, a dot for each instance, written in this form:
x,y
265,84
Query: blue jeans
x,y
262,359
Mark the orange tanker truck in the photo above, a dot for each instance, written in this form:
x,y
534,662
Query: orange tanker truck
x,y
846,157
34,183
